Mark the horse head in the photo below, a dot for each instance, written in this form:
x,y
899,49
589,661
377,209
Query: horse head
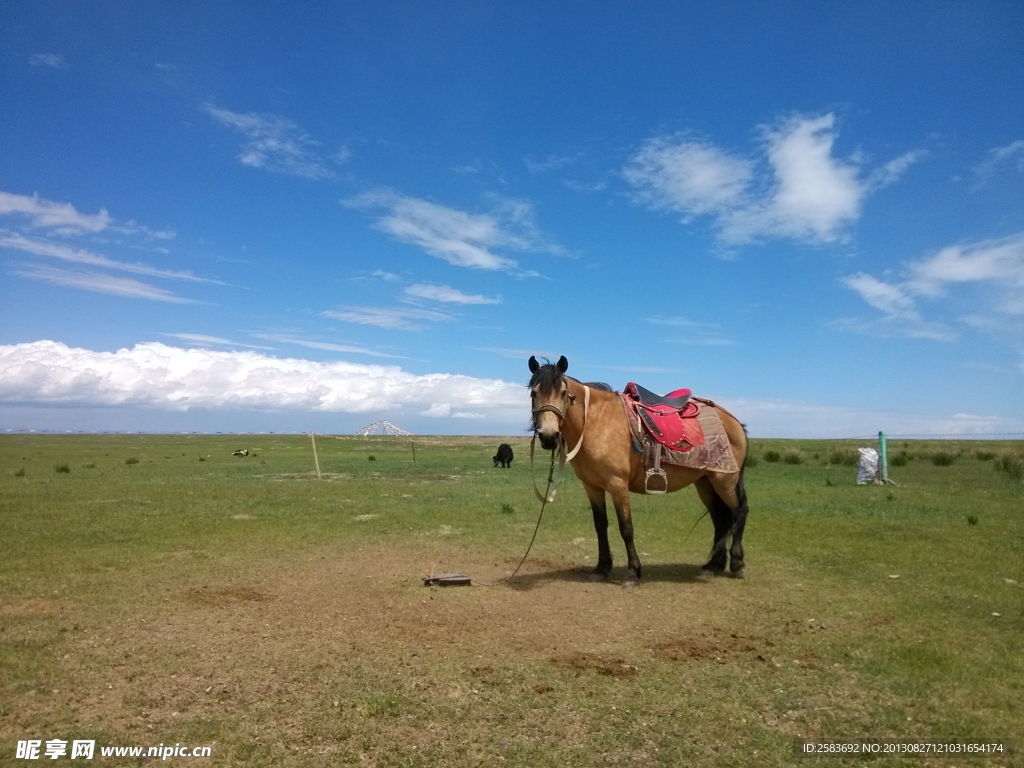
x,y
549,395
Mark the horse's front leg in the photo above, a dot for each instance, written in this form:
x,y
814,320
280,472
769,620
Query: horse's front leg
x,y
604,551
620,497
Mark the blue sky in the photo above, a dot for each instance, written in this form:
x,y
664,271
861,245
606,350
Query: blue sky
x,y
263,216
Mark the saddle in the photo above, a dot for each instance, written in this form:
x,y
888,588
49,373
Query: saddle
x,y
668,422
677,399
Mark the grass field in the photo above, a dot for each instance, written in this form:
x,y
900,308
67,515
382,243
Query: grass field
x,y
157,590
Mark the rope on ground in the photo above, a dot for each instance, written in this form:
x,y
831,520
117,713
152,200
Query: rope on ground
x,y
544,503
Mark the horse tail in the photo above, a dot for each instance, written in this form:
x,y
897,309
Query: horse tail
x,y
741,494
741,491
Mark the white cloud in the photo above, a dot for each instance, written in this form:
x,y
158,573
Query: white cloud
x,y
788,418
275,143
447,294
396,319
51,60
586,187
895,327
998,265
165,378
62,217
342,155
154,375
997,261
100,283
65,253
891,299
65,219
810,195
444,411
893,171
519,354
132,227
325,345
518,226
691,331
460,238
900,316
203,340
815,195
690,177
551,162
1012,153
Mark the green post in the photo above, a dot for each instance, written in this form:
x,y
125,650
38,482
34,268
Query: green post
x,y
883,459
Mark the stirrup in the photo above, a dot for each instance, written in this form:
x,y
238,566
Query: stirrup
x,y
656,471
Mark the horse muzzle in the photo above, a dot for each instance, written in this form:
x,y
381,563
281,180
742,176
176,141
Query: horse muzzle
x,y
549,441
548,423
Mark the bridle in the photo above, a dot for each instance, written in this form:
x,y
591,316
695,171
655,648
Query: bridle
x,y
561,456
567,400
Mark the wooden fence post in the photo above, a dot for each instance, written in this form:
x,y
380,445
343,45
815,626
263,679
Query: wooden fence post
x,y
315,459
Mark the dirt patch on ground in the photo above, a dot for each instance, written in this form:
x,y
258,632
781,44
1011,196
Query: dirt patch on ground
x,y
313,476
611,666
30,607
224,596
721,647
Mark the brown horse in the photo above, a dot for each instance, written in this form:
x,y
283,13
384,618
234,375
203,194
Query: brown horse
x,y
601,452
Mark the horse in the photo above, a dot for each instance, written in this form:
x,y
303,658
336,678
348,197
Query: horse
x,y
591,418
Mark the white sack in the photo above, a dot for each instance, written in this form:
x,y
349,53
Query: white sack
x,y
867,467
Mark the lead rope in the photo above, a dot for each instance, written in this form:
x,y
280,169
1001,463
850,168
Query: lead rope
x,y
549,492
544,502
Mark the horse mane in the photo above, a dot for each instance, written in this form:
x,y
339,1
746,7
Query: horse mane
x,y
547,377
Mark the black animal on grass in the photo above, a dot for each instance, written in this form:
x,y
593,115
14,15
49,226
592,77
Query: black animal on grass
x,y
503,456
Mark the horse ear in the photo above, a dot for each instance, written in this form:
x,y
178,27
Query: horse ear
x,y
563,365
534,365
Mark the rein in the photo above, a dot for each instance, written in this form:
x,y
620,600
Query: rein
x,y
586,407
548,496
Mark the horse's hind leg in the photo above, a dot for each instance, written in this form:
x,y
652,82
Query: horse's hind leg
x,y
721,517
726,499
604,552
739,515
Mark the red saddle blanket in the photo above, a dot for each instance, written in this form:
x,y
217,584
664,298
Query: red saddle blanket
x,y
675,428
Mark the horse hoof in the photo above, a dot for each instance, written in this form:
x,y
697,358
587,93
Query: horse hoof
x,y
741,573
597,577
631,583
714,570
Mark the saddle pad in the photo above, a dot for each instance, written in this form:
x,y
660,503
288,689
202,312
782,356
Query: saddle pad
x,y
709,449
